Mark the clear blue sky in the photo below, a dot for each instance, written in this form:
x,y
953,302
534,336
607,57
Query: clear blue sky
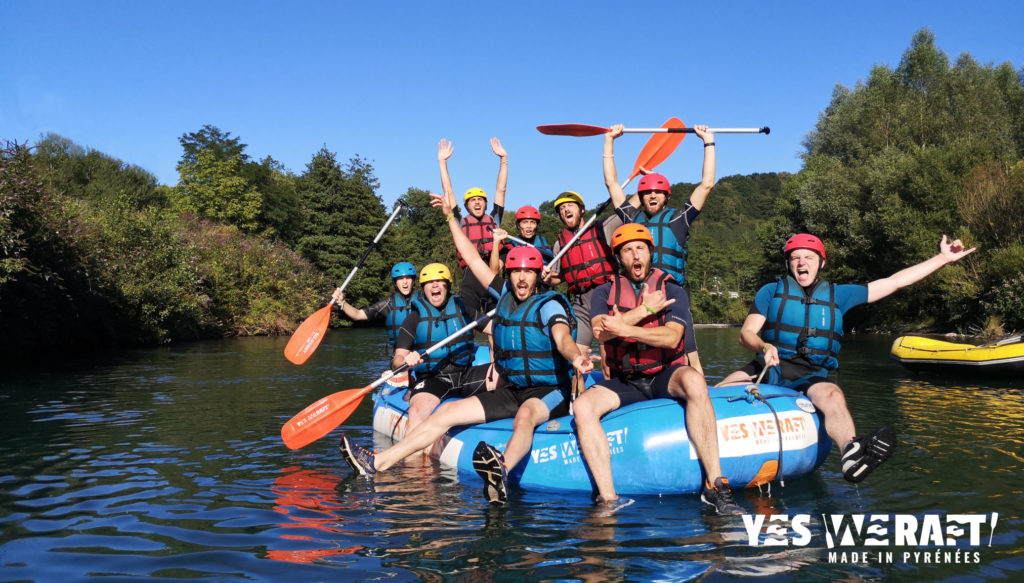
x,y
388,80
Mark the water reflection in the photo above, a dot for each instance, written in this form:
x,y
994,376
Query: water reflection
x,y
168,463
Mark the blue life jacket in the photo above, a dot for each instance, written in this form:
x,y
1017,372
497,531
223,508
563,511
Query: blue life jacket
x,y
400,309
436,325
802,324
524,352
669,254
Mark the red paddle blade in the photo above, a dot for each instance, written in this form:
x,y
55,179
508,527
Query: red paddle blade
x,y
659,147
321,417
572,129
305,340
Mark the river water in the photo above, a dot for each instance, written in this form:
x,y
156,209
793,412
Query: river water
x,y
167,464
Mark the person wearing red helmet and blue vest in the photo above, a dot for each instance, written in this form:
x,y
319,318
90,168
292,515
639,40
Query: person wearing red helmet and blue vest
x,y
535,356
642,318
795,327
527,222
477,224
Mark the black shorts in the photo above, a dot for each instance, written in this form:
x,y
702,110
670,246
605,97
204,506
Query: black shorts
x,y
641,387
475,296
504,401
453,382
794,375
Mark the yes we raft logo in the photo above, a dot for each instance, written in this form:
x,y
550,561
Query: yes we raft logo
x,y
934,539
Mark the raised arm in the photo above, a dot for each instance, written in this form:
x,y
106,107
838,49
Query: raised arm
x,y
445,149
470,255
948,253
499,188
611,175
707,180
499,235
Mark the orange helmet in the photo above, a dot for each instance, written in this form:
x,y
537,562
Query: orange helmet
x,y
631,232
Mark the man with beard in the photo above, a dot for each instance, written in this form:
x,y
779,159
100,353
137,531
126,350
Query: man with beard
x,y
587,264
477,225
641,317
795,327
534,354
669,227
447,372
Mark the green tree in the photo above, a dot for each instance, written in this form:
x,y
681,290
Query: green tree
x,y
214,182
74,171
343,214
885,174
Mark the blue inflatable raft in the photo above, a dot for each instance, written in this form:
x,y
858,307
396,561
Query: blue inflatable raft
x,y
758,441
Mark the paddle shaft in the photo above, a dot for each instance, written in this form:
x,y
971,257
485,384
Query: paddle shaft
x,y
440,343
398,208
764,130
515,239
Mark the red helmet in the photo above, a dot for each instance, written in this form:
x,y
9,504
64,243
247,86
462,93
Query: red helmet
x,y
654,182
524,258
805,241
527,212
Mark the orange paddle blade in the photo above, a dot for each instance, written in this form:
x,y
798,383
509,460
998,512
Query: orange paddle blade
x,y
572,129
308,336
658,148
321,417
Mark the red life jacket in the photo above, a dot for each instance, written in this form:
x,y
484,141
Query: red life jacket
x,y
588,263
480,233
626,356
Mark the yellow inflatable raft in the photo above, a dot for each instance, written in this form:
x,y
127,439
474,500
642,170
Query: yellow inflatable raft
x,y
918,353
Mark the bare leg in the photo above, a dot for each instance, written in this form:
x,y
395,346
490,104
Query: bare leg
x,y
421,405
461,412
829,399
531,414
688,385
588,410
735,378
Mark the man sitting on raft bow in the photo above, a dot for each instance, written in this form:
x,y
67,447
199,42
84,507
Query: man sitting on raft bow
x,y
641,317
795,327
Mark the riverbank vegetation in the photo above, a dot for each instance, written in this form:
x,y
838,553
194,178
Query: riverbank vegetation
x,y
94,252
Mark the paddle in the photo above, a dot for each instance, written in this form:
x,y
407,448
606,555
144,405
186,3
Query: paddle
x,y
582,130
658,148
320,418
307,337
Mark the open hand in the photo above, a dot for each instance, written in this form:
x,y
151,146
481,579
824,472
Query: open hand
x,y
445,149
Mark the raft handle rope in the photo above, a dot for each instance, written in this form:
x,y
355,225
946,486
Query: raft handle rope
x,y
753,394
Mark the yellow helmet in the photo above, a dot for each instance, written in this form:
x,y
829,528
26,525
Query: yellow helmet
x,y
434,272
473,192
569,196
